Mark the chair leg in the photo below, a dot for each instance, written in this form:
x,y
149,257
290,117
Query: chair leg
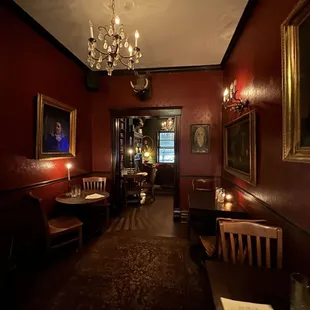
x,y
80,238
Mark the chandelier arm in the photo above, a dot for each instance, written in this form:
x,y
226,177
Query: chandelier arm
x,y
127,57
99,51
124,64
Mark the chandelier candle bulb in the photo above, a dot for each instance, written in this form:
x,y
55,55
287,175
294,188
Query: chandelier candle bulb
x,y
130,50
91,29
136,38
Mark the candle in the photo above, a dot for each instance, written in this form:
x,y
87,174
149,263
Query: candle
x,y
91,29
68,167
136,38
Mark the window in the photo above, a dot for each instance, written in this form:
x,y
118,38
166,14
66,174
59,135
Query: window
x,y
165,147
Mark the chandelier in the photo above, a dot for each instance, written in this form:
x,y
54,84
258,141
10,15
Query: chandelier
x,y
112,46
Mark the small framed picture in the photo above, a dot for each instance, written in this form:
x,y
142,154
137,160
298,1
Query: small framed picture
x,y
56,129
200,138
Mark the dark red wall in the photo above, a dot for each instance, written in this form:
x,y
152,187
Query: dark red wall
x,y
199,93
30,65
256,64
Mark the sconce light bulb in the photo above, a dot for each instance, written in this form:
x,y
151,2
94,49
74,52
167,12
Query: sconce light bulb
x,y
69,165
137,34
130,49
226,91
146,154
228,197
130,151
117,20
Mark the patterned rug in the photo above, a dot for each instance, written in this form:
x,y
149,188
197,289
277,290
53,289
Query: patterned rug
x,y
131,272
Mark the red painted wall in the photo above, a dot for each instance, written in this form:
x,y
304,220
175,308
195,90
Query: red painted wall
x,y
256,64
199,93
30,65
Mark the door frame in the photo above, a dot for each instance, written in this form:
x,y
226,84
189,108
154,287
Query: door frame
x,y
175,112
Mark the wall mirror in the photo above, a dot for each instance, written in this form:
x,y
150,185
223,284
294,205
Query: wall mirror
x,y
296,83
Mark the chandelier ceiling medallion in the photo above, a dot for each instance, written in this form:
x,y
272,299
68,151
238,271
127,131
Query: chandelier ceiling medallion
x,y
112,46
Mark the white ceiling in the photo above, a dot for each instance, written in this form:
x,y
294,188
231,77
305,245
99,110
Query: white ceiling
x,y
172,32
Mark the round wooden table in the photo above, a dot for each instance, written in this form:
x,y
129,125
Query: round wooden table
x,y
81,200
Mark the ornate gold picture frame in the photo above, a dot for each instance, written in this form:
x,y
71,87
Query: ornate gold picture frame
x,y
295,84
240,147
56,129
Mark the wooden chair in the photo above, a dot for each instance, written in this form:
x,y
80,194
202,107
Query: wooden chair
x,y
149,187
95,183
98,184
212,244
133,188
239,231
206,185
58,228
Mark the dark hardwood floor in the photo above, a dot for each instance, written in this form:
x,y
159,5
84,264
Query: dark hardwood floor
x,y
141,261
155,218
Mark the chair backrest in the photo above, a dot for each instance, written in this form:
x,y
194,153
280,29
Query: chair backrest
x,y
95,183
32,225
240,237
206,185
228,219
133,182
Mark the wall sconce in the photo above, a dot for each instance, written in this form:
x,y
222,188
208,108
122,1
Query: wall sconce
x,y
168,125
231,102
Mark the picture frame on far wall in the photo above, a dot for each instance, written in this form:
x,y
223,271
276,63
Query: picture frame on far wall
x,y
56,129
200,138
240,147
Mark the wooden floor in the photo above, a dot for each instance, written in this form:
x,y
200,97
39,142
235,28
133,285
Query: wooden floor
x,y
154,218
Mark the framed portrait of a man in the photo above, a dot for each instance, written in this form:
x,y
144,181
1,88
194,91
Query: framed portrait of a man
x,y
56,129
200,138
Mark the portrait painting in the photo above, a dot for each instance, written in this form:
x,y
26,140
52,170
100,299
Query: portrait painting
x,y
200,138
296,80
56,129
240,148
147,144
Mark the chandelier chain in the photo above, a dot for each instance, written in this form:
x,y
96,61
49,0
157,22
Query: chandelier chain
x,y
113,7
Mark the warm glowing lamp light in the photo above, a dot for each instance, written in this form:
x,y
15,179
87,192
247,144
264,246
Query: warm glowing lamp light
x,y
228,197
130,151
146,154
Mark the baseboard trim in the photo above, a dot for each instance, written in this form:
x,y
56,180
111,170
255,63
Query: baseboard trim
x,y
267,206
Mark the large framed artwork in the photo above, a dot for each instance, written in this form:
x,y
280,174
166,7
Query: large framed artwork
x,y
296,80
200,138
56,129
240,147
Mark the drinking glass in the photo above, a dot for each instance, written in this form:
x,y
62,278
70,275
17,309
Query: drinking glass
x,y
75,191
300,292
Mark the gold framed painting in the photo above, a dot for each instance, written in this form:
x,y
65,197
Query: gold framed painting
x,y
56,129
240,147
295,81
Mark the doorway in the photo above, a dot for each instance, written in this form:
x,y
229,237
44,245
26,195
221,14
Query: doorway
x,y
120,118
